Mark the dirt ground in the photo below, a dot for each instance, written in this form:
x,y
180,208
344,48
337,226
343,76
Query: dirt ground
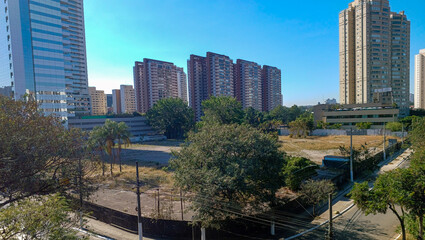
x,y
158,153
126,201
315,147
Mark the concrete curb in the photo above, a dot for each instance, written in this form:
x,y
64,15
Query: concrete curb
x,y
323,223
93,234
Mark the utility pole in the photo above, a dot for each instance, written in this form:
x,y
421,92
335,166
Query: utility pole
x,y
402,133
203,236
80,186
351,155
330,232
383,130
272,228
139,214
181,203
159,211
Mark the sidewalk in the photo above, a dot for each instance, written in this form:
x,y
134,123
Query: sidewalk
x,y
109,231
341,203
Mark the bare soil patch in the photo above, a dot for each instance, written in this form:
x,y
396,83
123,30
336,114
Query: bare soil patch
x,y
316,147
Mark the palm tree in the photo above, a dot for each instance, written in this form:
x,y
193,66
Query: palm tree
x,y
122,134
110,129
97,141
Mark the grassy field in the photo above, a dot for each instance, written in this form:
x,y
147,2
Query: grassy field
x,y
149,177
315,147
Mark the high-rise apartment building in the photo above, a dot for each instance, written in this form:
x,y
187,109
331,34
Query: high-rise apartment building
x,y
197,79
128,99
209,76
220,75
182,84
271,87
216,75
374,54
248,84
98,101
109,102
420,80
155,80
43,54
116,101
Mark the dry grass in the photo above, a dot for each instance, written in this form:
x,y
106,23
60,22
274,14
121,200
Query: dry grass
x,y
149,177
328,142
316,147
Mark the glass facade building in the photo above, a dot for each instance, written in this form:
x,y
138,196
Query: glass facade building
x,y
43,55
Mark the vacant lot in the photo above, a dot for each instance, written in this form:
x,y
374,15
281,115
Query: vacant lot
x,y
157,153
315,147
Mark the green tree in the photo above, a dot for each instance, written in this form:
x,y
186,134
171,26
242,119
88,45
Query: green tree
x,y
393,126
41,218
315,192
171,116
297,170
253,117
279,113
38,155
302,126
97,141
109,134
123,137
228,168
221,110
386,194
363,125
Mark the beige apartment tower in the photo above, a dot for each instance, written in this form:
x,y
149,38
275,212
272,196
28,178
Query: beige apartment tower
x,y
128,99
98,101
374,54
420,80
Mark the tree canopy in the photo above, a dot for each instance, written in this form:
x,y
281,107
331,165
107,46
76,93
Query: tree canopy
x,y
221,110
41,218
228,167
37,154
298,169
172,116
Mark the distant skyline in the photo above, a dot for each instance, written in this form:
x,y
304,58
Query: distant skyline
x,y
301,39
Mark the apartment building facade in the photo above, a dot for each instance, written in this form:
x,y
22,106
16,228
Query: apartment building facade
x,y
98,101
182,84
155,80
43,55
116,101
374,53
128,99
419,98
271,87
197,81
248,84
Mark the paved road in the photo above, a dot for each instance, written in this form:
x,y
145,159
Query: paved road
x,y
354,224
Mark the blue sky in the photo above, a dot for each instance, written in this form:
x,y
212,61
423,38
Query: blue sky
x,y
299,37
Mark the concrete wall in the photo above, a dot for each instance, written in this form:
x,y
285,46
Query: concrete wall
x,y
340,132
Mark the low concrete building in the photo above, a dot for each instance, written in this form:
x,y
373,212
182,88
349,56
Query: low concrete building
x,y
349,115
138,126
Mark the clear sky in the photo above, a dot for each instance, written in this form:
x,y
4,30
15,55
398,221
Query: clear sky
x,y
299,37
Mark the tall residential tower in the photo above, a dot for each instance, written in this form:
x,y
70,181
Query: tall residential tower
x,y
248,82
271,87
374,54
155,80
43,54
420,80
